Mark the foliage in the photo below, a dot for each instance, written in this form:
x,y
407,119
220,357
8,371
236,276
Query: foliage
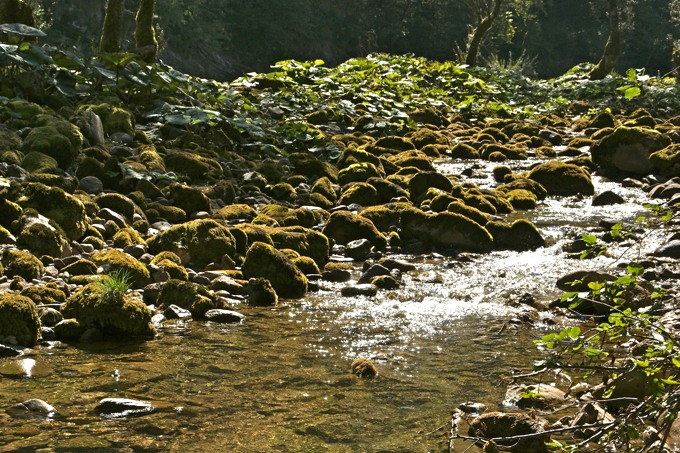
x,y
114,284
628,342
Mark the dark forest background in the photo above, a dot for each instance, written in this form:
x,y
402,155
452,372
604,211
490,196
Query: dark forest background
x,y
223,39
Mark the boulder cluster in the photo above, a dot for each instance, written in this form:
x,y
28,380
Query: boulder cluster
x,y
193,229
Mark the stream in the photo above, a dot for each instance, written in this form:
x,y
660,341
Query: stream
x,y
281,381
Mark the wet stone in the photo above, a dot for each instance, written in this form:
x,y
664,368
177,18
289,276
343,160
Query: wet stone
x,y
358,250
337,275
669,250
9,351
33,407
374,271
366,289
175,312
607,198
123,407
224,316
49,316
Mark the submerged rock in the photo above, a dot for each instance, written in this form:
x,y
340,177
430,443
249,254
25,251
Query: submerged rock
x,y
364,368
33,408
123,407
500,424
224,316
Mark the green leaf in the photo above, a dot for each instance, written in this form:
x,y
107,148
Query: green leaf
x,y
632,93
21,30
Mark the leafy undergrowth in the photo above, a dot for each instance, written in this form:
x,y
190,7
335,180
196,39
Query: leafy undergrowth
x,y
300,105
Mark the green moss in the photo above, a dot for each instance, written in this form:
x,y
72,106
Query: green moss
x,y
412,158
667,161
282,192
9,140
37,162
446,231
360,193
115,315
41,239
195,166
145,35
55,204
20,263
359,173
148,156
189,296
125,237
9,212
313,168
464,151
19,319
81,267
263,260
560,178
261,293
471,213
419,184
324,186
5,238
236,212
522,199
521,235
189,199
172,214
114,119
480,202
530,185
306,265
509,151
344,227
11,157
49,293
175,270
203,241
388,216
116,261
304,241
166,256
628,149
351,156
118,203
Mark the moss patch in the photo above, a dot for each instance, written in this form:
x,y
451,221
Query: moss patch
x,y
19,319
263,260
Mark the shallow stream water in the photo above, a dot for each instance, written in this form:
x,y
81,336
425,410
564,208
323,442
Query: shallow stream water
x,y
281,381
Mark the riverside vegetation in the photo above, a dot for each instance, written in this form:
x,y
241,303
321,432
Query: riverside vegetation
x,y
132,194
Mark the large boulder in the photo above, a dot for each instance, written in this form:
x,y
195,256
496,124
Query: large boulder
x,y
667,161
560,178
56,138
19,319
114,260
263,260
500,424
114,314
20,263
627,149
344,227
189,296
520,235
197,242
445,231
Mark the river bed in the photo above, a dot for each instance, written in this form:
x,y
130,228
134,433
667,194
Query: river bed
x,y
281,380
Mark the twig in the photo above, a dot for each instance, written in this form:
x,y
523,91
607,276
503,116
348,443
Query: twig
x,y
533,435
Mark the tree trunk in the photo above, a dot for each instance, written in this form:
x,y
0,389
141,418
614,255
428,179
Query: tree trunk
x,y
612,50
145,35
111,39
479,33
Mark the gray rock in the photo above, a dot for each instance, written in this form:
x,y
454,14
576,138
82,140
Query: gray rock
x,y
669,250
92,128
175,312
91,185
374,271
33,407
109,214
121,137
365,289
9,351
224,316
49,316
226,283
607,198
358,250
123,407
337,275
579,280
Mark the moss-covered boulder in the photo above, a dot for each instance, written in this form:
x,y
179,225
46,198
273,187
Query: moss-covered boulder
x,y
113,260
263,260
19,319
361,193
114,118
236,212
189,296
419,184
37,162
387,217
195,166
628,149
56,138
359,173
9,212
521,235
119,203
127,236
9,140
459,207
114,314
560,178
445,231
20,263
261,293
522,199
530,185
325,187
80,267
172,264
667,161
305,241
189,199
49,293
41,239
198,242
344,227
55,204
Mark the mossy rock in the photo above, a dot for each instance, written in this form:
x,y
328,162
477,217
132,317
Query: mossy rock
x,y
116,316
6,237
56,138
464,151
522,199
351,156
20,263
119,203
412,158
54,203
190,296
200,241
388,216
530,185
114,119
313,168
306,265
393,144
459,207
223,190
49,293
19,319
628,149
667,161
41,239
480,202
263,260
360,172
419,184
344,227
195,166
361,193
446,231
116,261
508,151
66,183
236,212
148,156
127,236
282,192
521,235
387,190
440,201
80,267
305,241
9,212
172,214
174,270
37,162
9,140
560,178
285,216
11,157
189,199
325,187
261,293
